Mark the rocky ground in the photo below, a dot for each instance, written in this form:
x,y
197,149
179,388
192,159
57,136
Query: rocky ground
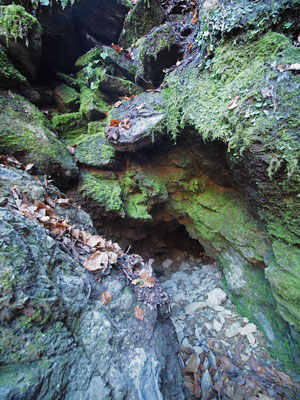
x,y
223,355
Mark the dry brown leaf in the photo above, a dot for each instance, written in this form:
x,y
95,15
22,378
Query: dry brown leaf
x,y
116,47
234,101
139,313
49,200
291,67
114,122
95,241
96,262
195,17
118,104
112,257
71,149
129,97
190,45
126,124
85,236
284,378
145,279
105,297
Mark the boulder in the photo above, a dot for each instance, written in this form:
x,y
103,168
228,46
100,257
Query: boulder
x,y
92,107
25,132
96,152
116,87
146,122
145,15
20,34
58,338
66,98
157,51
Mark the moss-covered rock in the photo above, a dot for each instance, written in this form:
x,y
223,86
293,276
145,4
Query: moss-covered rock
x,y
145,15
66,98
157,51
92,106
118,86
25,132
70,125
95,151
20,34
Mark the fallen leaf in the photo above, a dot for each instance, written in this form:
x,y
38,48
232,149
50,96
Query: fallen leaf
x,y
95,241
195,17
28,167
128,98
49,200
112,257
145,279
234,101
291,67
140,107
118,104
139,313
105,297
114,122
116,47
126,124
190,45
96,262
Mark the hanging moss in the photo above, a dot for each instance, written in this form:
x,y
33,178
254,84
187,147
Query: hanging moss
x,y
15,22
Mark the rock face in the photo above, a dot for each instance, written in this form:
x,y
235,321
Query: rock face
x,y
56,332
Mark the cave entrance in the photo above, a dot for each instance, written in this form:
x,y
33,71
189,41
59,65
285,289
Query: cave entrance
x,y
169,241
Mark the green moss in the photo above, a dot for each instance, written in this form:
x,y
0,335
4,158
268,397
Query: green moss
x,y
69,125
107,192
9,75
202,100
91,99
23,128
68,98
140,191
89,57
15,22
257,303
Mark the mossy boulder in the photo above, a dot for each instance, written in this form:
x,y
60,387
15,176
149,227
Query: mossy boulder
x,y
26,133
20,34
70,125
145,15
92,106
157,51
95,151
67,99
118,86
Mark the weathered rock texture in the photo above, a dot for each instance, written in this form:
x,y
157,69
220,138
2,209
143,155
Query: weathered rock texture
x,y
58,340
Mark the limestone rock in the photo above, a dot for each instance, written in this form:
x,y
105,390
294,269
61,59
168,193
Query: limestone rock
x,y
206,384
247,329
51,313
193,307
215,298
233,330
25,132
145,15
67,99
147,123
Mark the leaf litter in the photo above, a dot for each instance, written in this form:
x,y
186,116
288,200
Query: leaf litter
x,y
95,253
